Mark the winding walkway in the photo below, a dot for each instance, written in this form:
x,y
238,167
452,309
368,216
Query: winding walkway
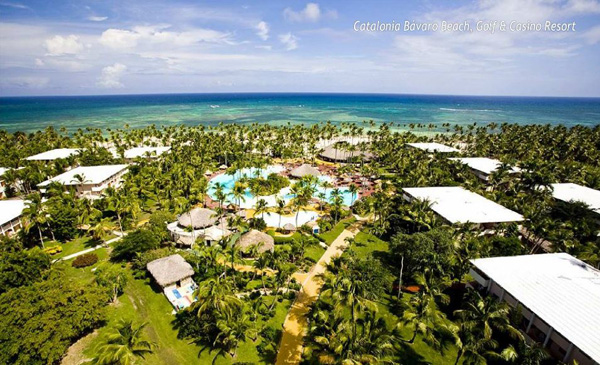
x,y
294,327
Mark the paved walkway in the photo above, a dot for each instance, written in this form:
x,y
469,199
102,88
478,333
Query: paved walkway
x,y
87,250
294,327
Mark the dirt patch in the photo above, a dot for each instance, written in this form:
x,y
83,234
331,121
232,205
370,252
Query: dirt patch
x,y
75,354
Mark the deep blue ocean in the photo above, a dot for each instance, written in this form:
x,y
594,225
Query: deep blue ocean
x,y
72,112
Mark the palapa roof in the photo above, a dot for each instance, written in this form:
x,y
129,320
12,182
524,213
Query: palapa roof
x,y
169,270
253,238
338,154
304,170
289,227
200,218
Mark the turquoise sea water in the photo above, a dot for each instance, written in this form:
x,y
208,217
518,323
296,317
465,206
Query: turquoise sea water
x,y
73,112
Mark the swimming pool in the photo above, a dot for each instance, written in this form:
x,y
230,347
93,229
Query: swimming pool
x,y
228,181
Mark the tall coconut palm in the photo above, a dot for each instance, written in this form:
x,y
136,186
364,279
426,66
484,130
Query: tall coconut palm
x,y
124,345
35,215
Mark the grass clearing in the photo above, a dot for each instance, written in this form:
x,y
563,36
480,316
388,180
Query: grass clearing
x,y
332,234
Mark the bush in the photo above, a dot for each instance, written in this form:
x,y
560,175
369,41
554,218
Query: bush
x,y
142,259
258,224
138,241
85,260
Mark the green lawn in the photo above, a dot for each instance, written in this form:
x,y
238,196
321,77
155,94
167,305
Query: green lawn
x,y
142,302
332,234
314,252
366,243
76,245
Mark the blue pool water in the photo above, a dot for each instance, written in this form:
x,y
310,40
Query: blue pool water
x,y
228,182
176,293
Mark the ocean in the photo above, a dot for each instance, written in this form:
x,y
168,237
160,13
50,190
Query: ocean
x,y
29,114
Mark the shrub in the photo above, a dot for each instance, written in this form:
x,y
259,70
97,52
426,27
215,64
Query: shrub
x,y
138,241
84,260
258,224
142,259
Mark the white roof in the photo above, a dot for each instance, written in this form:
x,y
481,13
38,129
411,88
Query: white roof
x,y
560,289
458,205
10,209
433,147
483,164
3,170
91,174
141,151
569,192
54,154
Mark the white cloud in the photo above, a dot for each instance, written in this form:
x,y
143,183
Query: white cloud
x,y
59,45
262,30
289,40
268,48
39,62
311,13
157,34
119,38
15,5
111,76
97,18
592,36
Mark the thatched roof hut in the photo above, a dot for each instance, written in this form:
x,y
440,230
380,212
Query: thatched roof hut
x,y
253,238
289,227
169,270
331,153
200,218
304,170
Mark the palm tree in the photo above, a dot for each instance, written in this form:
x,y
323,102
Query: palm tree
x,y
215,296
280,209
479,319
101,229
124,345
425,317
35,215
238,193
261,208
353,189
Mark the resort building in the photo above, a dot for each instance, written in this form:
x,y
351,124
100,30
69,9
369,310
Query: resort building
x,y
144,152
335,154
304,170
558,296
195,224
174,275
54,154
2,183
432,147
90,181
263,241
458,205
483,167
10,216
569,192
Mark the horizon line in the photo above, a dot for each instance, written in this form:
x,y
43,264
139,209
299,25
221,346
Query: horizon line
x,y
296,93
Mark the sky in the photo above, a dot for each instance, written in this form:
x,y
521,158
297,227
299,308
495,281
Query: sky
x,y
89,47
